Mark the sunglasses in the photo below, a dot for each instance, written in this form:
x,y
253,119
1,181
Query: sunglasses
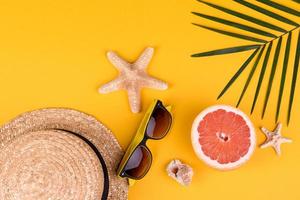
x,y
138,159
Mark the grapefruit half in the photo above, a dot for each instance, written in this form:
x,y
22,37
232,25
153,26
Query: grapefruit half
x,y
223,137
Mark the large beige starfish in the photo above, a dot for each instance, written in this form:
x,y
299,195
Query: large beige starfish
x,y
274,139
132,77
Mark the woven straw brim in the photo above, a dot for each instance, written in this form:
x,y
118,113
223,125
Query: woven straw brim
x,y
59,154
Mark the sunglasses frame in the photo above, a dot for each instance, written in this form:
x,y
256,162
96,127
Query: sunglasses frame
x,y
141,138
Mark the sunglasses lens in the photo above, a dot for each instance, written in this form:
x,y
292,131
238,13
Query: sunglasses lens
x,y
139,163
159,123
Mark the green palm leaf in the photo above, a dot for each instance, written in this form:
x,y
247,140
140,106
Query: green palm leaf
x,y
267,12
260,46
245,17
236,35
271,78
236,25
226,50
283,75
294,80
237,74
261,76
250,75
280,7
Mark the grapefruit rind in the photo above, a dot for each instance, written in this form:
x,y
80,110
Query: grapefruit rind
x,y
213,163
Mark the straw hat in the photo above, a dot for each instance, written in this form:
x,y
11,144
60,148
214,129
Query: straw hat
x,y
59,154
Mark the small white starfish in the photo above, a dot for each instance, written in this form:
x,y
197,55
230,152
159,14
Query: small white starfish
x,y
274,139
132,77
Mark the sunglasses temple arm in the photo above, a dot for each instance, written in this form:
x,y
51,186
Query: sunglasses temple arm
x,y
169,108
131,182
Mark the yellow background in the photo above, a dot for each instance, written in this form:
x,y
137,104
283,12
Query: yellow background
x,y
52,54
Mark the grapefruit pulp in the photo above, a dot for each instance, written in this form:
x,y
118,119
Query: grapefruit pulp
x,y
223,137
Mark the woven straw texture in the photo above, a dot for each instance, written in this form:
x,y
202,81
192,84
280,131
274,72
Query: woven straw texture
x,y
41,159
